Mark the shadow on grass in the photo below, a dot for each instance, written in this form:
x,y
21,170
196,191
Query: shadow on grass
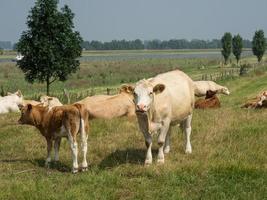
x,y
40,163
53,165
119,157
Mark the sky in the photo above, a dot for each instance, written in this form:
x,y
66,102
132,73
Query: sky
x,y
105,20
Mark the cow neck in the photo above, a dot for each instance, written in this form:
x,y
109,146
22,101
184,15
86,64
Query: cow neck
x,y
41,118
150,113
128,97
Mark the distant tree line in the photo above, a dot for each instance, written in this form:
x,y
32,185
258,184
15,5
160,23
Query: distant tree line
x,y
157,44
147,44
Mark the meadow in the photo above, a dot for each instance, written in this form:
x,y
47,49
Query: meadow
x,y
229,144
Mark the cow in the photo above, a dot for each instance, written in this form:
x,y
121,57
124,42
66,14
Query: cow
x,y
50,101
108,107
162,102
57,122
10,102
201,88
210,101
260,101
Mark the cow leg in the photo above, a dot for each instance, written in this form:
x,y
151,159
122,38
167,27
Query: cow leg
x,y
49,148
148,140
84,146
167,142
74,149
186,125
56,147
161,140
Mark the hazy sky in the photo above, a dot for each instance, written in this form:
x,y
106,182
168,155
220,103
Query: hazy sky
x,y
105,20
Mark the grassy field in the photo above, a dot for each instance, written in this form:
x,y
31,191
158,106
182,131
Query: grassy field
x,y
229,145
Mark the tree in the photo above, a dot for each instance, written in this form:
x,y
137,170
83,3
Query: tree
x,y
237,47
259,44
50,46
226,46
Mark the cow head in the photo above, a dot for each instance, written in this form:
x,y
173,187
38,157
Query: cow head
x,y
46,100
224,90
16,97
144,93
26,114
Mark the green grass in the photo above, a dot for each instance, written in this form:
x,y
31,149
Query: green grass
x,y
228,160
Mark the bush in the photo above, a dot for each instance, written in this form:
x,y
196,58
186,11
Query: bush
x,y
244,69
1,51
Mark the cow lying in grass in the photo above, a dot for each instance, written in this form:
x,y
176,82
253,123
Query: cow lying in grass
x,y
57,122
50,101
260,101
162,102
108,107
201,88
210,101
10,102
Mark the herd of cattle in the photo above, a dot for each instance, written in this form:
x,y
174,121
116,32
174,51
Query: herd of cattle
x,y
159,103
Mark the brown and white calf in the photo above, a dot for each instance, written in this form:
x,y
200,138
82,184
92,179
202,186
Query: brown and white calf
x,y
210,101
108,107
57,122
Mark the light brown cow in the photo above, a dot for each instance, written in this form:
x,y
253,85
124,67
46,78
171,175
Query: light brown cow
x,y
257,102
108,107
162,102
57,122
201,88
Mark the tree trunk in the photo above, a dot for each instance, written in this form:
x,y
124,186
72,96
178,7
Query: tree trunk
x,y
47,86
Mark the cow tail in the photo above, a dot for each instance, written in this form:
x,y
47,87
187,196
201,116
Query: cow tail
x,y
83,115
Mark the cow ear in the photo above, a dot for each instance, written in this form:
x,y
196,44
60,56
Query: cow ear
x,y
29,107
19,94
158,88
127,88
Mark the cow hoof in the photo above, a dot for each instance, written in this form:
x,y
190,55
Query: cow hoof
x,y
84,169
188,151
75,170
148,162
160,161
167,149
47,164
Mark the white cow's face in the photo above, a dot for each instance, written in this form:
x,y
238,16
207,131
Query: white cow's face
x,y
16,97
225,91
144,95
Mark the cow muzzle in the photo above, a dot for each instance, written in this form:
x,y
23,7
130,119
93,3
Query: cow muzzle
x,y
141,108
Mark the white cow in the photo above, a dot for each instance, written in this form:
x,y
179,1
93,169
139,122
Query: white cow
x,y
10,102
161,102
201,88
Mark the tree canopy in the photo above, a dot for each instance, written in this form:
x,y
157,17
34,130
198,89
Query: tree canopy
x,y
259,44
226,46
237,47
50,46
